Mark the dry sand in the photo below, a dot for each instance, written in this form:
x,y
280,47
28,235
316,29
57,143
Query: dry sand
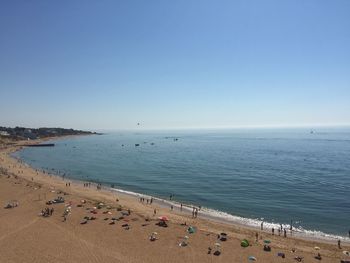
x,y
25,236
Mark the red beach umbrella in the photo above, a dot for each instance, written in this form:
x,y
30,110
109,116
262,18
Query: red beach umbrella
x,y
163,218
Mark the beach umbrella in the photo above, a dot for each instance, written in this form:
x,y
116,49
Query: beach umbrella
x,y
163,218
191,230
184,242
266,241
244,243
251,258
347,253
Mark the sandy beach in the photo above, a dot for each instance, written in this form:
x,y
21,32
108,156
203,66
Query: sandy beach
x,y
27,236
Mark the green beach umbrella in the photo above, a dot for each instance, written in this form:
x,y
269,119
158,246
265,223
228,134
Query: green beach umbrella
x,y
266,241
191,230
244,243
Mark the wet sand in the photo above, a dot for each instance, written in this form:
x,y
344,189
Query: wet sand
x,y
25,236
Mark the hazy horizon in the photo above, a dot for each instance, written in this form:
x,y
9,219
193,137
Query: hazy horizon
x,y
109,65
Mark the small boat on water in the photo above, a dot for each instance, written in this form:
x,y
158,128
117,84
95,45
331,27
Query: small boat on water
x,y
137,144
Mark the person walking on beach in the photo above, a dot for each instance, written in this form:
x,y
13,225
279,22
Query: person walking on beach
x,y
285,233
154,212
256,237
262,225
273,231
181,210
349,233
339,246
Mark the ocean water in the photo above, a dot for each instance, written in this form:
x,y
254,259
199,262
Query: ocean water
x,y
274,175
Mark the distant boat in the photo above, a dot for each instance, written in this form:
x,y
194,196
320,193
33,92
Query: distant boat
x,y
311,131
137,144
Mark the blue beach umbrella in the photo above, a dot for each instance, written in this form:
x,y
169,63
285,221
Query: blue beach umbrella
x,y
252,258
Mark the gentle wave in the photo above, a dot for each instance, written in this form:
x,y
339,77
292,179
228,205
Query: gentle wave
x,y
223,217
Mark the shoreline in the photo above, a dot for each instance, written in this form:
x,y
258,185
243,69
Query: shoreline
x,y
207,213
129,200
203,213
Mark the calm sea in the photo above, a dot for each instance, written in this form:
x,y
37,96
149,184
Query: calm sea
x,y
244,175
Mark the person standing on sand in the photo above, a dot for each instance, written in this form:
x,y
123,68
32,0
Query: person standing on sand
x,y
285,233
181,210
262,225
256,237
273,231
154,212
349,233
339,246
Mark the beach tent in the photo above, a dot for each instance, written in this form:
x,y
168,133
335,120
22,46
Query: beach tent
x,y
244,243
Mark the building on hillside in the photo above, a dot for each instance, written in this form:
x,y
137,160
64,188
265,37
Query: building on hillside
x,y
4,133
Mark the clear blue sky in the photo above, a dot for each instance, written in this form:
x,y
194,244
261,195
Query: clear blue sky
x,y
171,64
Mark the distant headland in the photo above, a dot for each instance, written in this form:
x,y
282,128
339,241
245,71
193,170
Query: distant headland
x,y
22,133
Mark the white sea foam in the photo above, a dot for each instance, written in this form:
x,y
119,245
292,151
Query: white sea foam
x,y
223,217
